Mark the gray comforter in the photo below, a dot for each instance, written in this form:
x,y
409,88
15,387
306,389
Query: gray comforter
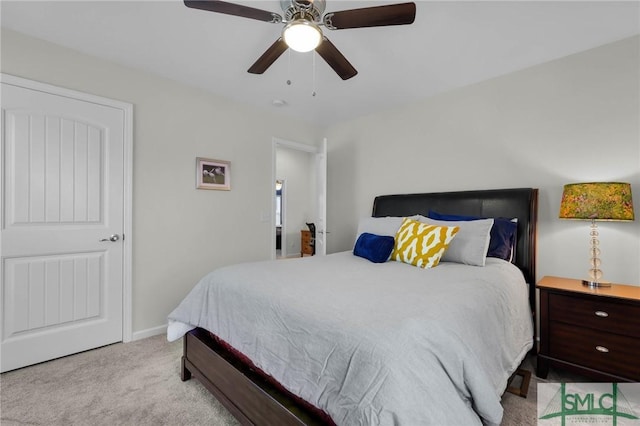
x,y
373,344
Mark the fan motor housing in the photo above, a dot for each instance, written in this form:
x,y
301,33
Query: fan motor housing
x,y
310,9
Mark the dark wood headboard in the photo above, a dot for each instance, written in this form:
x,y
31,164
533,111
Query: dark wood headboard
x,y
521,203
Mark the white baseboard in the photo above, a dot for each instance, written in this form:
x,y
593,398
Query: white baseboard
x,y
149,332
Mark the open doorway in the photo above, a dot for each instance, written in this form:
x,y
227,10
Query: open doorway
x,y
297,195
296,198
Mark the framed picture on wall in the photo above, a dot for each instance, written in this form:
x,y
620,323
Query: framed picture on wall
x,y
213,174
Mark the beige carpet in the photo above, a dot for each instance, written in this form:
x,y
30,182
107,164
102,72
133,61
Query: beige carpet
x,y
136,383
139,383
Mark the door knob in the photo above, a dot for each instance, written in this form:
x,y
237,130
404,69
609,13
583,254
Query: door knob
x,y
113,238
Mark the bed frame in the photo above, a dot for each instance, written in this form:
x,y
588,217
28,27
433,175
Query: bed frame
x,y
255,399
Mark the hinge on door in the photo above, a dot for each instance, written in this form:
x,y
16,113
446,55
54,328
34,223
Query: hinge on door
x,y
122,237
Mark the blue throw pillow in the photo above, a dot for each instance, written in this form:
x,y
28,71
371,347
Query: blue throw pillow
x,y
503,233
376,248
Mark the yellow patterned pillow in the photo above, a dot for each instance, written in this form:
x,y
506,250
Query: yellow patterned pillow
x,y
420,244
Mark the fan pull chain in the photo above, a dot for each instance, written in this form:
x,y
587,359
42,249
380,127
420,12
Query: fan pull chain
x,y
289,67
314,74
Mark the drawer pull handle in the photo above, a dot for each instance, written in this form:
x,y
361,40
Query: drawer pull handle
x,y
602,349
602,314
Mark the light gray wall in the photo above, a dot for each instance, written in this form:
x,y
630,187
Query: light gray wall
x,y
179,233
575,119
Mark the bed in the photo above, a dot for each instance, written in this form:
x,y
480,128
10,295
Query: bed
x,y
350,343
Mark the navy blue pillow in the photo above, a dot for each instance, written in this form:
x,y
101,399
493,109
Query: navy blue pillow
x,y
503,233
376,248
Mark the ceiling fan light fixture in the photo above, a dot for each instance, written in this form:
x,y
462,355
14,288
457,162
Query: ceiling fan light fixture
x,y
302,35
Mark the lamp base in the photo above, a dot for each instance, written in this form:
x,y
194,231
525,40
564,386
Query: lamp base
x,y
590,283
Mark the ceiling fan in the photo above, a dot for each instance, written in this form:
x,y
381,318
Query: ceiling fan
x,y
303,18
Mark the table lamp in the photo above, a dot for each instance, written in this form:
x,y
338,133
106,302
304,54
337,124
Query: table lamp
x,y
596,201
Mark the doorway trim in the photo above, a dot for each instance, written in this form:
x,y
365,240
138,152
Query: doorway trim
x,y
127,190
275,144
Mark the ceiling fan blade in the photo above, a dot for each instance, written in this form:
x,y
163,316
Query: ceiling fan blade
x,y
268,57
233,9
336,60
377,16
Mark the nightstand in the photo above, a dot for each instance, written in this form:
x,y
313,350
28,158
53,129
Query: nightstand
x,y
591,331
306,243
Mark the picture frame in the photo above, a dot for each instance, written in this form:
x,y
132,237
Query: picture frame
x,y
213,174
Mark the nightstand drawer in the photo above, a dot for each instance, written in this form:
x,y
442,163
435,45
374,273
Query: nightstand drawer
x,y
598,313
601,351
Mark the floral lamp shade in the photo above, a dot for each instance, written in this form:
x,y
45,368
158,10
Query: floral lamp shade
x,y
597,201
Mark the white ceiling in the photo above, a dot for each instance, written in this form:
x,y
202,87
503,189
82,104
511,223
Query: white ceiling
x,y
451,44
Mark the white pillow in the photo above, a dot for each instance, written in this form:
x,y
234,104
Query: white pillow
x,y
471,243
387,226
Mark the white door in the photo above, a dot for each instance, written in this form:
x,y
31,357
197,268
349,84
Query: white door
x,y
321,203
62,225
